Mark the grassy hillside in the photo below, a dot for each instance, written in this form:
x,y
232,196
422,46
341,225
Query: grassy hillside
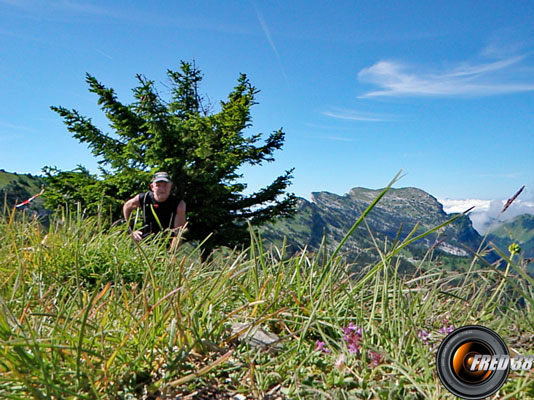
x,y
32,182
15,188
86,314
518,230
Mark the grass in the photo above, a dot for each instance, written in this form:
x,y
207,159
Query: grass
x,y
87,314
32,182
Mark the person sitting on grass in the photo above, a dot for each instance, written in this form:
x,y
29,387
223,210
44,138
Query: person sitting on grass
x,y
161,210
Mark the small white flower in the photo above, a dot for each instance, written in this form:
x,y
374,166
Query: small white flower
x,y
340,362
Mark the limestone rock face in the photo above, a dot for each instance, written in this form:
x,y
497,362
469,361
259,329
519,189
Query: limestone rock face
x,y
395,215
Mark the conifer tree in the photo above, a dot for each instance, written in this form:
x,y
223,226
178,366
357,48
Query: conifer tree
x,y
200,149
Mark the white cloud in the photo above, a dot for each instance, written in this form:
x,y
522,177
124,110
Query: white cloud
x,y
458,206
80,7
350,115
328,127
340,139
486,212
465,79
104,54
68,5
54,10
15,127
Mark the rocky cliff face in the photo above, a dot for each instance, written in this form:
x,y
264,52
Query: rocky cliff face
x,y
397,213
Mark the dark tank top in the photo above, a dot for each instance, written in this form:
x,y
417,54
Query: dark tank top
x,y
165,212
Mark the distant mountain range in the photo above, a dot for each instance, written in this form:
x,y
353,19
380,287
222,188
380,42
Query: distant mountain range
x,y
330,216
395,215
488,214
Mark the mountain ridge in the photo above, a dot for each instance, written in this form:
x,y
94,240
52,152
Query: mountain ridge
x,y
330,215
394,216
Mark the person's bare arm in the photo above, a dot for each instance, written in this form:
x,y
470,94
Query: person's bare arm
x,y
127,209
179,226
179,218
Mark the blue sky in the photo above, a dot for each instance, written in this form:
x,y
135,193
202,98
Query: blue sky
x,y
443,90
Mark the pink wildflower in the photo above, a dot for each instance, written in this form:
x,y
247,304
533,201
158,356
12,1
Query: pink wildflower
x,y
353,337
321,346
375,358
446,329
352,329
423,335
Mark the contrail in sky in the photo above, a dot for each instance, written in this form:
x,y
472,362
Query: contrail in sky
x,y
270,40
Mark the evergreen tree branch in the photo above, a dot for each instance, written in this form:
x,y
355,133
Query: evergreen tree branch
x,y
83,129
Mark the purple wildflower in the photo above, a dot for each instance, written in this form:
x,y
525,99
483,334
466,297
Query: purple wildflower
x,y
375,358
353,337
351,329
423,335
354,348
320,346
446,329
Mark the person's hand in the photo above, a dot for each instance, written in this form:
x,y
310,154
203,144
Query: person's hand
x,y
137,236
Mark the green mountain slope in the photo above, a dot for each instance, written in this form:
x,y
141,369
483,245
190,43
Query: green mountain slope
x,y
518,230
15,188
399,211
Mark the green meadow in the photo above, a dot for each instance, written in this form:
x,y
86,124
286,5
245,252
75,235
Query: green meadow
x,y
87,314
